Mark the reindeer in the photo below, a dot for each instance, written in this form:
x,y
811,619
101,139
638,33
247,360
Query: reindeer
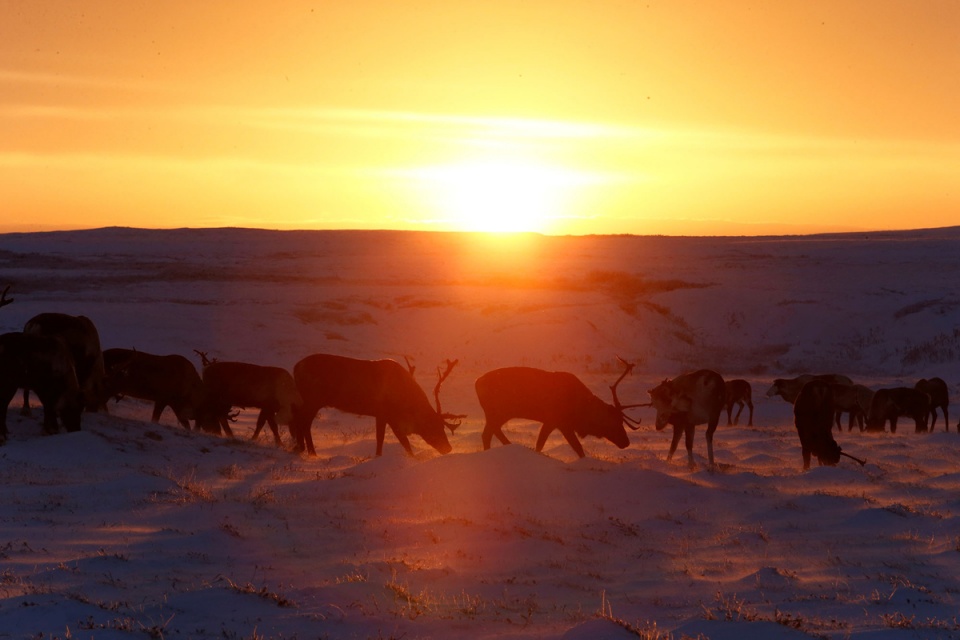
x,y
739,393
167,380
240,384
383,389
936,388
890,404
83,340
854,399
44,364
789,388
686,401
813,413
557,399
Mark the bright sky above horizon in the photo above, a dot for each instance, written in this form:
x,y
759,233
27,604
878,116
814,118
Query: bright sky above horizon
x,y
688,116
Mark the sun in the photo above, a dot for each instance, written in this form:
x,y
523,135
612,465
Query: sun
x,y
500,196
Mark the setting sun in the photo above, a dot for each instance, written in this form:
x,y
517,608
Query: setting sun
x,y
500,196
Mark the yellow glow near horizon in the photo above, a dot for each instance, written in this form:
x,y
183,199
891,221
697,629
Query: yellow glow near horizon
x,y
500,195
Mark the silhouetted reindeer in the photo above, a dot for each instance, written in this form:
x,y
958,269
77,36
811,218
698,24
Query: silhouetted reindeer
x,y
557,399
379,388
686,401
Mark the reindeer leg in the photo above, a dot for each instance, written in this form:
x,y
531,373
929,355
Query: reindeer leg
x,y
272,421
381,434
404,441
25,410
736,420
711,427
946,419
181,420
158,408
729,412
545,431
750,423
493,428
574,442
677,432
225,425
688,432
302,430
261,420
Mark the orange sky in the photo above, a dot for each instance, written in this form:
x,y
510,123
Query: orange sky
x,y
561,117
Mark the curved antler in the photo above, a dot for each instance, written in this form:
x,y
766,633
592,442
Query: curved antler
x,y
4,300
204,360
448,418
627,420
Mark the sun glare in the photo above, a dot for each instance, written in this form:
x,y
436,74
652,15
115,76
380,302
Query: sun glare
x,y
500,196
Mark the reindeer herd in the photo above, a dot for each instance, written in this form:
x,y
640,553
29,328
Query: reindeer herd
x,y
59,358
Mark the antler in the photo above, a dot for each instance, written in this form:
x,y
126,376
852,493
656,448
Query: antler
x,y
233,415
4,300
630,422
862,462
410,366
203,357
448,418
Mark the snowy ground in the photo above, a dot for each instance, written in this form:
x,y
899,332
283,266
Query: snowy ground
x,y
134,530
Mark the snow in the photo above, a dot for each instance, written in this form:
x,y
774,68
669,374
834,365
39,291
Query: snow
x,y
129,529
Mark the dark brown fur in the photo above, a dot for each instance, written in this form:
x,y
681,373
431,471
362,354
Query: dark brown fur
x,y
557,399
936,388
240,384
813,414
890,404
44,364
740,393
83,340
383,389
852,399
167,381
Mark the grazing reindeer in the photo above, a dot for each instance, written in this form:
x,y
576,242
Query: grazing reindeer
x,y
240,384
557,399
739,393
686,401
168,381
83,340
44,364
383,389
854,399
936,388
813,414
890,404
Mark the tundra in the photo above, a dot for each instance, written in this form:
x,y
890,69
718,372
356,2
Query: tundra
x,y
686,401
44,364
380,388
83,340
166,380
240,384
557,399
